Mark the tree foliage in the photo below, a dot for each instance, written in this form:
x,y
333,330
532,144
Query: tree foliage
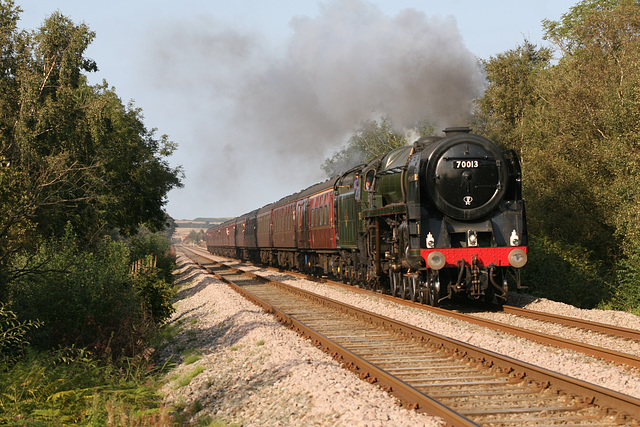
x,y
368,141
195,237
70,152
579,133
563,33
513,76
76,166
13,336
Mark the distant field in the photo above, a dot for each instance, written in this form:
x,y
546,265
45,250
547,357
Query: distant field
x,y
199,222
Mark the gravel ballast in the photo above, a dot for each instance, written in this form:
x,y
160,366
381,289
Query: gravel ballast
x,y
255,372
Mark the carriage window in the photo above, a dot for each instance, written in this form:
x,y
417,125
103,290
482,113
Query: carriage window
x,y
315,217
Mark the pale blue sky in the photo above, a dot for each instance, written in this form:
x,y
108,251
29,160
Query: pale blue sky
x,y
193,67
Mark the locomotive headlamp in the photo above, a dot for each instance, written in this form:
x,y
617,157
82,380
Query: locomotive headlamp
x,y
517,258
436,260
431,242
472,239
514,240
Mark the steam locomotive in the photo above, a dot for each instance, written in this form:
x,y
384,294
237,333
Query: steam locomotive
x,y
439,219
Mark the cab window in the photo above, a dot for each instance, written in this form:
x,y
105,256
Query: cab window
x,y
368,184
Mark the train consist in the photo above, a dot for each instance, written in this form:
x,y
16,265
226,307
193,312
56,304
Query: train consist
x,y
438,219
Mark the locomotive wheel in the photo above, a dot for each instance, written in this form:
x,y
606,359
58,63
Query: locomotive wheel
x,y
422,293
433,300
404,291
413,286
433,289
394,283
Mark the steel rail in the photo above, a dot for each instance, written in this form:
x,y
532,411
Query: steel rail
x,y
412,398
603,328
594,394
588,349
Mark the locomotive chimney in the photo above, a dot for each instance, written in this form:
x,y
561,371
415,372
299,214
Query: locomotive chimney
x,y
453,130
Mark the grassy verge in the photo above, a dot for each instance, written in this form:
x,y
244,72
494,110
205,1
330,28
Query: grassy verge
x,y
70,387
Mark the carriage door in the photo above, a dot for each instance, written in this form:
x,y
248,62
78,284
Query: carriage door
x,y
302,224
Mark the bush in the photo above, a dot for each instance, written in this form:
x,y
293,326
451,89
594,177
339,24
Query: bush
x,y
565,273
155,292
625,294
147,243
88,299
13,333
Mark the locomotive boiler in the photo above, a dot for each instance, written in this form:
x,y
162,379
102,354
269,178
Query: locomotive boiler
x,y
441,218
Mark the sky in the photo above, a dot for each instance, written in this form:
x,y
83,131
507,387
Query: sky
x,y
257,94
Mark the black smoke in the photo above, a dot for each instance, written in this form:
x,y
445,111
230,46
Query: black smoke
x,y
264,118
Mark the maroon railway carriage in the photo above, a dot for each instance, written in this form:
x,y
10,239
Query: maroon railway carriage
x,y
263,234
223,238
283,233
297,232
315,228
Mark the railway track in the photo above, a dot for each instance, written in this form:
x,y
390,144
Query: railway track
x,y
462,384
603,353
612,330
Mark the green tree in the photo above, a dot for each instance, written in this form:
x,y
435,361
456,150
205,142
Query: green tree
x,y
195,237
589,122
192,237
512,91
70,152
370,140
15,224
594,105
563,33
579,137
